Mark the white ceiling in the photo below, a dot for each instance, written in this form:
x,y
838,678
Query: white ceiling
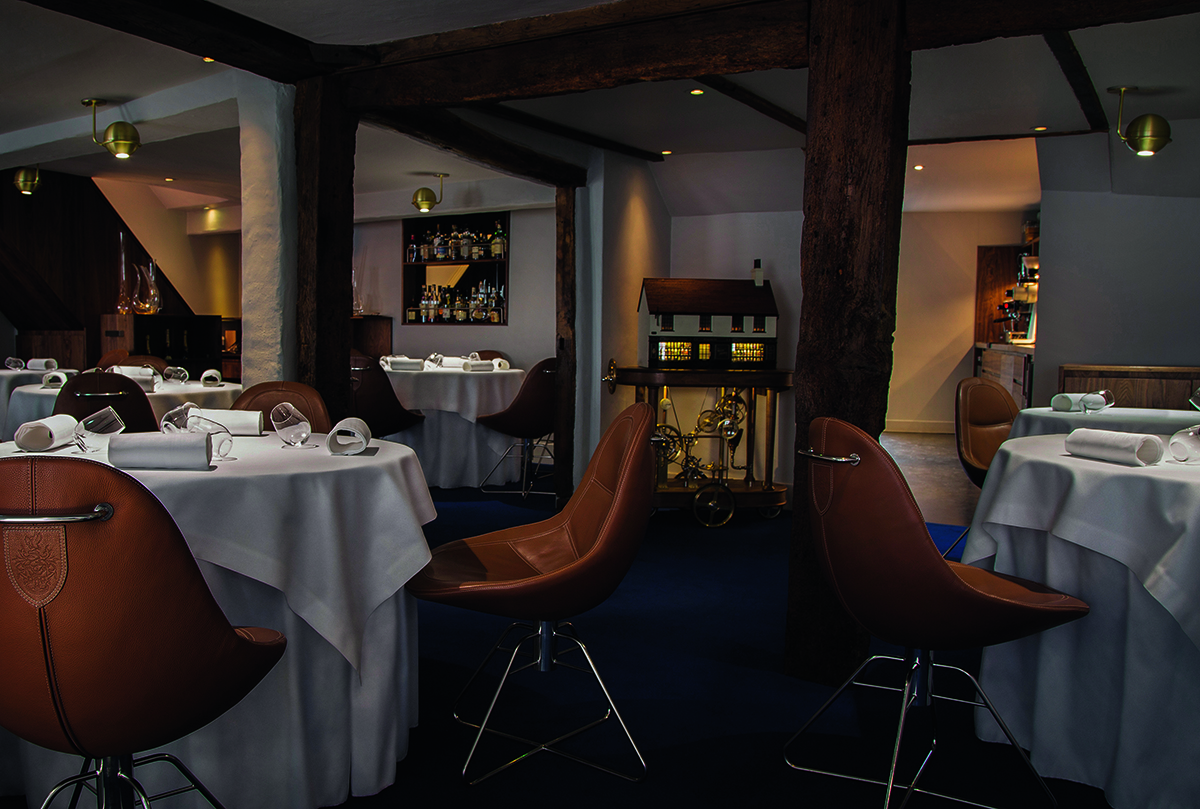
x,y
727,157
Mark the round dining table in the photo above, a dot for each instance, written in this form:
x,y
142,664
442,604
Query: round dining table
x,y
10,380
454,450
1155,421
318,546
33,402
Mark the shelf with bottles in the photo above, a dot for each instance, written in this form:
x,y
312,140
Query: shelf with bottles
x,y
456,270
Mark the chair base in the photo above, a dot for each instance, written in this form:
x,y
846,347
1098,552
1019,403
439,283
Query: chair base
x,y
917,692
539,448
116,788
545,656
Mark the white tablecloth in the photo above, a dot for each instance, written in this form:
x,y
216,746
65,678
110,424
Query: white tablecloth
x,y
10,380
32,402
1113,699
319,547
1044,421
454,450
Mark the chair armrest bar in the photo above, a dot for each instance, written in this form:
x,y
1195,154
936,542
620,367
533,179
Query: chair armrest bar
x,y
101,512
853,459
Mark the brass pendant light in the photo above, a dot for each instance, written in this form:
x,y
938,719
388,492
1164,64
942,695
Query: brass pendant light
x,y
1146,134
424,199
26,180
121,137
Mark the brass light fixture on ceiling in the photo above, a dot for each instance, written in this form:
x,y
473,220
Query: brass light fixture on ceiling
x,y
121,137
1146,134
26,180
424,199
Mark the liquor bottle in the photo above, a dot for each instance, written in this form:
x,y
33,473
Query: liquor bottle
x,y
411,256
453,242
427,247
439,245
465,240
499,243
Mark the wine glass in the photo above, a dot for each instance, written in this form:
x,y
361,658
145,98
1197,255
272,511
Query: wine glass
x,y
292,426
176,419
1097,400
1194,399
14,364
92,432
222,439
1185,445
174,373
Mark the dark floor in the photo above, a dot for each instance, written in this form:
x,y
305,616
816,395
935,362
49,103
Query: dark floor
x,y
930,463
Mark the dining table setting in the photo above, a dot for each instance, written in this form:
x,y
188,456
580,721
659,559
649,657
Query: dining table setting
x,y
452,392
1104,505
18,372
314,535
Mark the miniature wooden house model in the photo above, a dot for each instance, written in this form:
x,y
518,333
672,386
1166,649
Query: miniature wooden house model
x,y
706,323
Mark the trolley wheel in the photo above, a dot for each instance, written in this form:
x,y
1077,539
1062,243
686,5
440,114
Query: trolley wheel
x,y
770,512
707,421
672,444
713,505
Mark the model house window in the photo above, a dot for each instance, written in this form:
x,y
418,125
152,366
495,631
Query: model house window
x,y
737,324
760,323
677,350
667,323
748,352
705,322
704,351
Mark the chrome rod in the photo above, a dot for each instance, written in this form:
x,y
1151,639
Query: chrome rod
x,y
853,459
101,512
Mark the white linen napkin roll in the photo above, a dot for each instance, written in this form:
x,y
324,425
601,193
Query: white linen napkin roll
x,y
500,364
42,365
348,437
1067,402
144,375
237,422
453,362
211,378
478,365
54,379
46,434
160,450
401,363
1131,449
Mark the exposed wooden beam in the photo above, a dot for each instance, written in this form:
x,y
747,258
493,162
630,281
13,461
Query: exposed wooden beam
x,y
755,102
731,39
569,132
1014,136
447,131
207,29
1076,73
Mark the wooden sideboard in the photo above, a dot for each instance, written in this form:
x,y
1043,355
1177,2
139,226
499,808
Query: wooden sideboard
x,y
1158,386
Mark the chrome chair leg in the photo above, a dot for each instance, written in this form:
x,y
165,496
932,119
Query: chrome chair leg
x,y
544,639
918,686
116,787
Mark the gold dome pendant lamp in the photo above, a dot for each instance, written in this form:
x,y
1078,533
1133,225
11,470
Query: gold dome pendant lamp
x,y
424,198
27,179
121,137
1146,134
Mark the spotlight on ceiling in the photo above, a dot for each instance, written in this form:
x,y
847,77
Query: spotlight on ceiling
x,y
26,180
1146,134
121,138
424,199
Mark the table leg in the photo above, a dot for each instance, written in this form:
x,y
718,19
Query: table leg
x,y
769,475
751,417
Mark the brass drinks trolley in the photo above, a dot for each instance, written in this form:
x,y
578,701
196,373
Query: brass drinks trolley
x,y
713,498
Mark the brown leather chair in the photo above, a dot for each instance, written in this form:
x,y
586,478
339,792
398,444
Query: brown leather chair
x,y
983,416
84,394
874,547
544,573
138,360
373,399
265,395
529,418
491,354
117,356
112,642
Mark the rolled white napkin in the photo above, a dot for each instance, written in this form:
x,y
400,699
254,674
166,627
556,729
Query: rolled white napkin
x,y
501,364
401,363
46,434
237,422
1067,402
1131,449
453,362
144,375
42,365
160,450
348,437
54,379
211,378
478,365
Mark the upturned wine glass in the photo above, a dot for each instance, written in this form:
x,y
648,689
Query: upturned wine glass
x,y
292,426
92,432
1097,400
14,364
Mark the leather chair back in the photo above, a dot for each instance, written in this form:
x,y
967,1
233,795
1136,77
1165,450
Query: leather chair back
x,y
115,357
84,394
567,564
112,642
373,399
531,413
138,360
265,395
491,354
875,548
983,416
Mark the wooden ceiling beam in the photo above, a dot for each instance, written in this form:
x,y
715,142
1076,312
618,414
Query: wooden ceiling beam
x,y
755,102
571,133
1076,72
209,30
445,130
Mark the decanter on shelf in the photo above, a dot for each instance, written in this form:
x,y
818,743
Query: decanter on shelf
x,y
146,298
124,304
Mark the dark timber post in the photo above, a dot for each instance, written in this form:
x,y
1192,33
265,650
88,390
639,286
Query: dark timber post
x,y
564,291
858,93
325,139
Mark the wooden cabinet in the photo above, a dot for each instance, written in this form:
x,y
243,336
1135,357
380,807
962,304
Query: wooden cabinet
x,y
456,270
372,334
1009,366
1134,385
194,342
995,274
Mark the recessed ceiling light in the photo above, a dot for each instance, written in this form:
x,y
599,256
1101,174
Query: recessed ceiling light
x,y
697,92
918,168
1039,128
666,151
208,59
168,179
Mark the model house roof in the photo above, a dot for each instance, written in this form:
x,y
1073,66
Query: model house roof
x,y
707,296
